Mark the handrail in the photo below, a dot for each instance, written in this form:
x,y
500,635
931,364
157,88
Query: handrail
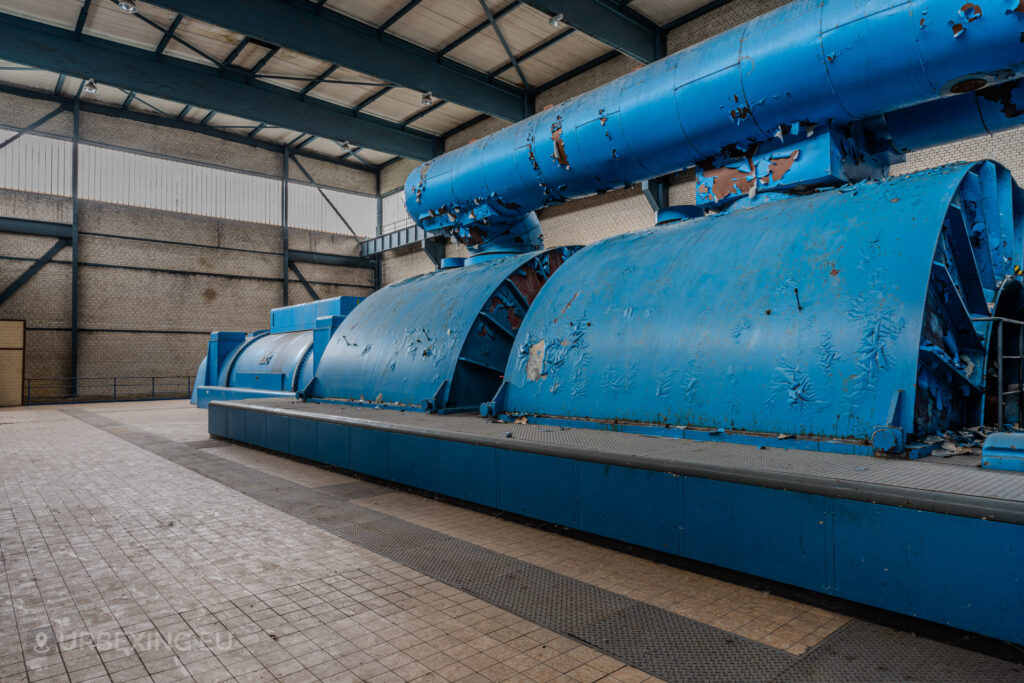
x,y
50,390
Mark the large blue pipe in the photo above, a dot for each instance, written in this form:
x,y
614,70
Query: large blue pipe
x,y
819,62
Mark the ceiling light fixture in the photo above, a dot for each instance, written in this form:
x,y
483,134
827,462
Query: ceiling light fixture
x,y
427,99
127,6
557,20
90,85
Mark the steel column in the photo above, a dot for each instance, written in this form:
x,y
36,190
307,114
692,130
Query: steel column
x,y
75,134
284,223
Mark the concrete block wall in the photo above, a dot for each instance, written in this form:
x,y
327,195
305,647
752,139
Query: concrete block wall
x,y
154,284
589,219
146,307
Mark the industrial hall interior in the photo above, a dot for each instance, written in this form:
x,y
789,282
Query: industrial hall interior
x,y
512,340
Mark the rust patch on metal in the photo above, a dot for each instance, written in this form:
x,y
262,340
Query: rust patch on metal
x,y
740,113
778,168
958,30
556,136
513,318
423,180
970,12
528,281
566,308
476,237
726,181
1003,94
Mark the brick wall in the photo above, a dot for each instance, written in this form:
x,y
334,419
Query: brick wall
x,y
146,307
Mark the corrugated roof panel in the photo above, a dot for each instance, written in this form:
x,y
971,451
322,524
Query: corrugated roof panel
x,y
323,146
196,114
293,65
63,13
33,79
346,94
664,11
147,104
372,12
444,118
213,40
436,23
233,124
374,157
250,56
523,28
107,21
70,86
397,105
564,56
343,95
276,134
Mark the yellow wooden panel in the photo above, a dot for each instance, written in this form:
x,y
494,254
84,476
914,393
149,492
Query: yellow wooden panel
x,y
12,334
10,377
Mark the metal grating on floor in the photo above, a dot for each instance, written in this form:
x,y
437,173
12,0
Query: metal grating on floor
x,y
355,490
641,634
860,651
652,639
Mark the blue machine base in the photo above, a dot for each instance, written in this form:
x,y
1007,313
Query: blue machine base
x,y
960,571
205,394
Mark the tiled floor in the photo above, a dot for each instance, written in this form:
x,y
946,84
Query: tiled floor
x,y
759,616
118,564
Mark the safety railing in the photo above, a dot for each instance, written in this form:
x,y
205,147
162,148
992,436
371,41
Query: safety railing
x,y
40,390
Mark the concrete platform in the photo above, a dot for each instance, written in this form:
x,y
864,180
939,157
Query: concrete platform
x,y
134,547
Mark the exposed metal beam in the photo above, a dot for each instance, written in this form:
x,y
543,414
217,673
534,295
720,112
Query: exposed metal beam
x,y
83,14
421,113
168,34
178,123
619,27
504,43
372,98
32,126
533,51
319,79
390,21
335,38
21,226
329,259
286,156
305,283
337,212
237,51
54,49
476,29
32,270
75,138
